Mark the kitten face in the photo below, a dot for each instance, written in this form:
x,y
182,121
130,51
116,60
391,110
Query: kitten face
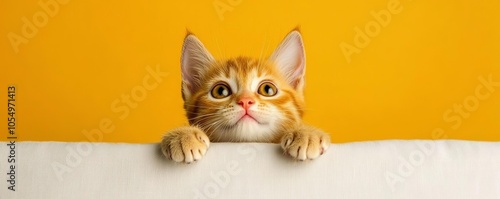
x,y
244,99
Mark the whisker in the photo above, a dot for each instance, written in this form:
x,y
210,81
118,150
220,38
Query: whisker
x,y
212,125
217,127
217,44
205,116
264,46
203,106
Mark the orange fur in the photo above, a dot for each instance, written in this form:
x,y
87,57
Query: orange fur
x,y
238,110
242,65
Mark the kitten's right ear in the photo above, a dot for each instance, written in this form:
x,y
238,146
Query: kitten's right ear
x,y
290,59
195,60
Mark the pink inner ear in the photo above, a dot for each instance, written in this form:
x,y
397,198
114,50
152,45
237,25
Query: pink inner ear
x,y
290,58
194,61
300,65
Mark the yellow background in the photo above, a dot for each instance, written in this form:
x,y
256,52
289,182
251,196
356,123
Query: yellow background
x,y
428,58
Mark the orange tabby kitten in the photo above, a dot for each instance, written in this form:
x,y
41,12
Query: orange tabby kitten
x,y
244,100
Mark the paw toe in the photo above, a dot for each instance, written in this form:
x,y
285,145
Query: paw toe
x,y
302,153
177,155
303,145
185,144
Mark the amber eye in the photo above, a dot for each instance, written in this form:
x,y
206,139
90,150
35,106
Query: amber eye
x,y
221,91
267,89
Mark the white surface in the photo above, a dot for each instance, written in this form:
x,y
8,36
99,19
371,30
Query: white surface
x,y
434,169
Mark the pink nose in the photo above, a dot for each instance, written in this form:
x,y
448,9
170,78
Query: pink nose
x,y
246,102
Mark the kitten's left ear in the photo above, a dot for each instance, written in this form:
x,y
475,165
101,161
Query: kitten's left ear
x,y
195,61
290,59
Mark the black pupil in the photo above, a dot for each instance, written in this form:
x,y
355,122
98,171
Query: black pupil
x,y
267,89
220,91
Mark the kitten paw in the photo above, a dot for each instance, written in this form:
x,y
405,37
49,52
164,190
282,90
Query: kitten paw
x,y
185,144
305,143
